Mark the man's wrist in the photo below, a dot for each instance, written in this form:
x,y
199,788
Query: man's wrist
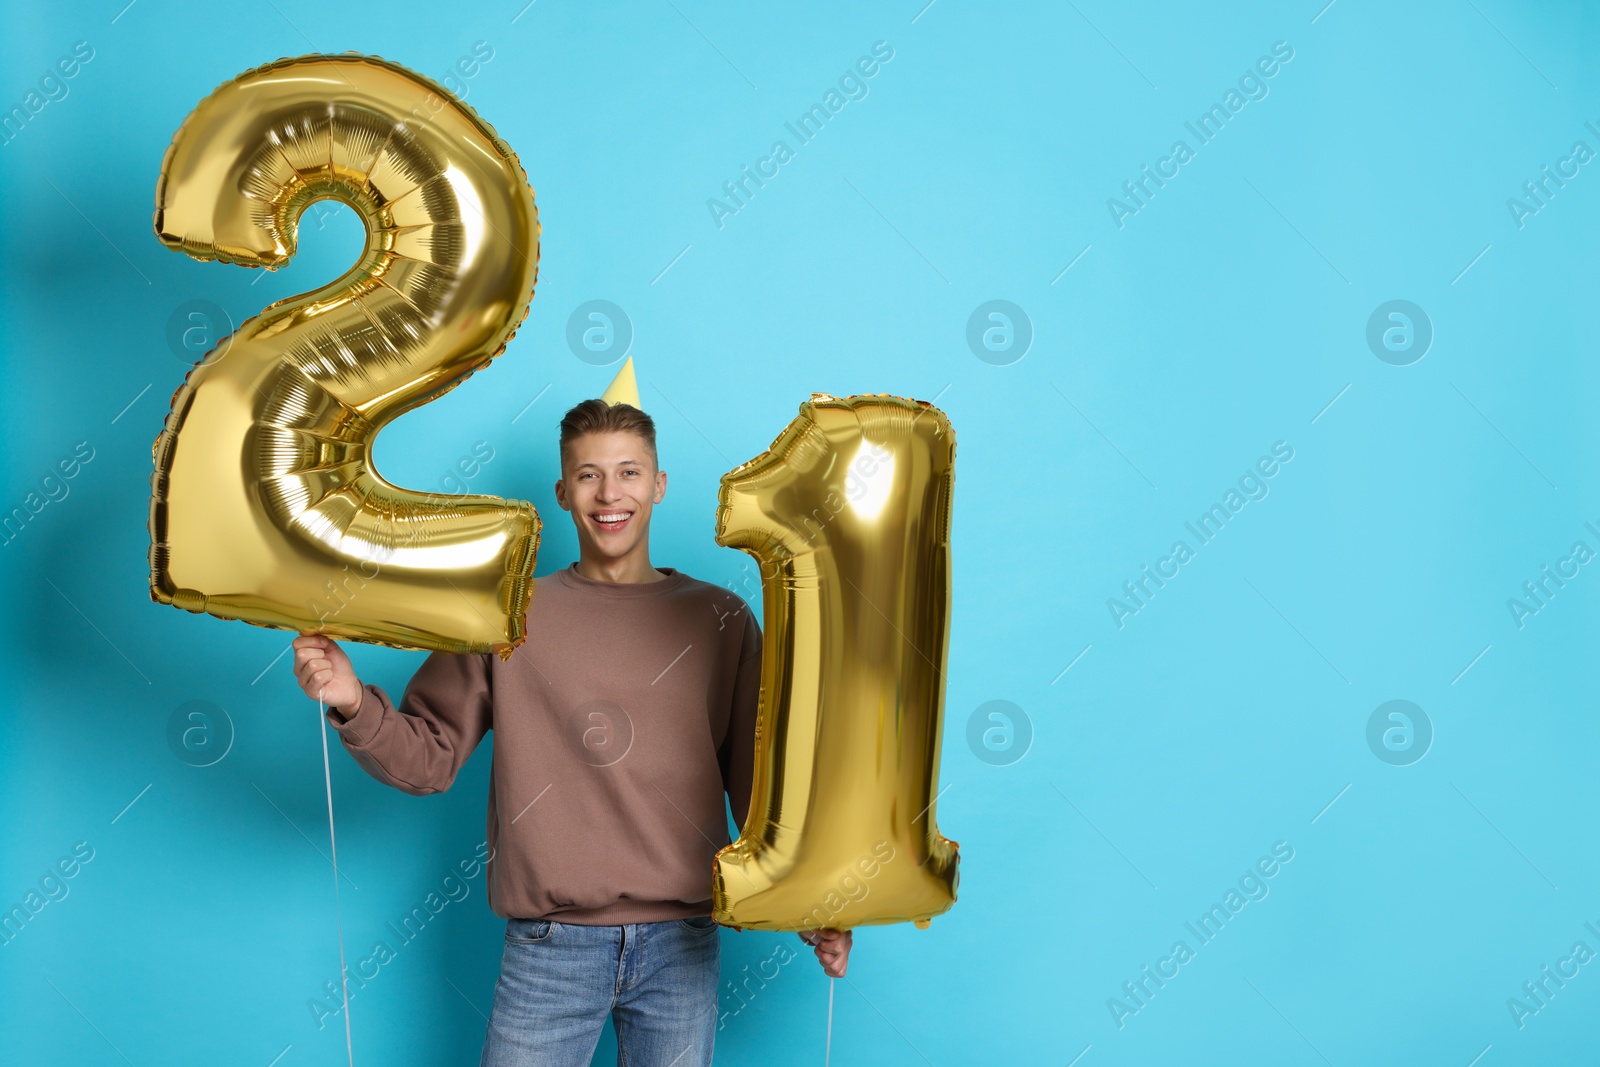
x,y
348,712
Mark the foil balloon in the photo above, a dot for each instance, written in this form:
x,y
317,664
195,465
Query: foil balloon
x,y
848,515
265,503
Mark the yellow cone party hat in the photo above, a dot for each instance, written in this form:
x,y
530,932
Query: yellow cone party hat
x,y
624,388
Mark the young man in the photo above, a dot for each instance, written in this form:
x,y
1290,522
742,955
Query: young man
x,y
620,724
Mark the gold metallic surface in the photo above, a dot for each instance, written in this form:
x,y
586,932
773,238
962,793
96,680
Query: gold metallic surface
x,y
265,504
848,515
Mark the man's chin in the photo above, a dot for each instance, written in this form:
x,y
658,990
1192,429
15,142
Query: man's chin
x,y
611,549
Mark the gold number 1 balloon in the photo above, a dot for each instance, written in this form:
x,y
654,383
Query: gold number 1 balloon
x,y
265,504
848,514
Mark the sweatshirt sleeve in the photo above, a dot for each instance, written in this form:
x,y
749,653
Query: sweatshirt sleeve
x,y
419,747
738,748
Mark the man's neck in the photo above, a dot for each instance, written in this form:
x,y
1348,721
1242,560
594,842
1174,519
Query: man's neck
x,y
629,570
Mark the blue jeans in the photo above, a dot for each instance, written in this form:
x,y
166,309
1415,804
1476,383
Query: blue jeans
x,y
559,981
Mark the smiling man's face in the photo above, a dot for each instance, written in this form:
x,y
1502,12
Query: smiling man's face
x,y
609,482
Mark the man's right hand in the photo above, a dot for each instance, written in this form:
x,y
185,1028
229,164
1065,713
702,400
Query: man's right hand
x,y
325,673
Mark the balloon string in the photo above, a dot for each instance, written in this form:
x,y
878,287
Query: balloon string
x,y
827,1051
344,982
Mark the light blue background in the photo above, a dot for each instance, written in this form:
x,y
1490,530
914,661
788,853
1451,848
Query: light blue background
x,y
1223,317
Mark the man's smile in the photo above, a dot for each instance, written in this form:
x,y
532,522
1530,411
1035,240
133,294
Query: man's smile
x,y
612,519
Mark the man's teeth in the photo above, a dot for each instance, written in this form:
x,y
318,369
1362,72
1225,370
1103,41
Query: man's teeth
x,y
612,516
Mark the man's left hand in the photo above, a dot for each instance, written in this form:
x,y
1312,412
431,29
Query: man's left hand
x,y
832,948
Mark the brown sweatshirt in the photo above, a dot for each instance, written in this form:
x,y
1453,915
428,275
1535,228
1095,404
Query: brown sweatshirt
x,y
620,723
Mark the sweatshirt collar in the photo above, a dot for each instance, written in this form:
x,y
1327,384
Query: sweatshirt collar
x,y
572,579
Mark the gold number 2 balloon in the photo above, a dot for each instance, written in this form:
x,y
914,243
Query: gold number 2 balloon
x,y
848,514
265,503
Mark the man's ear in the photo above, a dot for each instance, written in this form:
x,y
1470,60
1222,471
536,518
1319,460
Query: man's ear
x,y
561,494
661,486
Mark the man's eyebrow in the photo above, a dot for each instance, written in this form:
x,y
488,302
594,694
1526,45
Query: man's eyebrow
x,y
619,463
